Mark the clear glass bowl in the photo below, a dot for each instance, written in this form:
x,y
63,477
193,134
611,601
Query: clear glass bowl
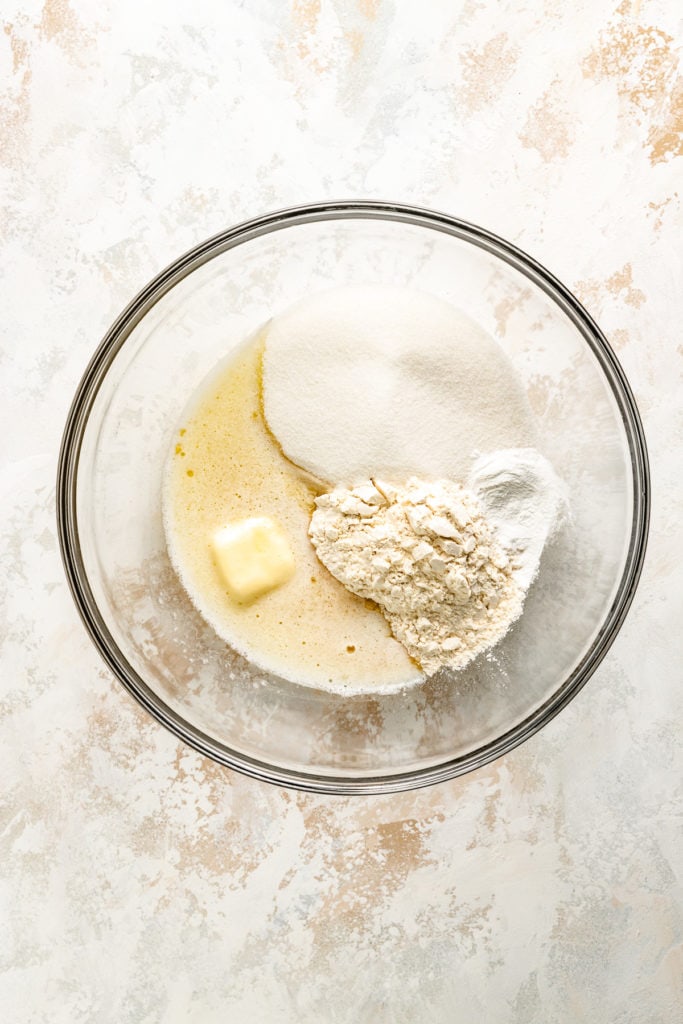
x,y
121,425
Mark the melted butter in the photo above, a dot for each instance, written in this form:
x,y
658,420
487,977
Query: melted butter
x,y
226,466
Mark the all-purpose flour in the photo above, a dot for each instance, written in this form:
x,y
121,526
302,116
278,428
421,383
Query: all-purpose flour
x,y
425,553
448,566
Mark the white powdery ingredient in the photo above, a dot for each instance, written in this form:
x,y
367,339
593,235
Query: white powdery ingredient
x,y
426,554
524,501
376,380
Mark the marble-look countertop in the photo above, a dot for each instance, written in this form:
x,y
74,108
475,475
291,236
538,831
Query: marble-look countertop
x,y
141,883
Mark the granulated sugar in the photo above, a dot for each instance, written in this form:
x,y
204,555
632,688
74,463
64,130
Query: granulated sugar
x,y
376,380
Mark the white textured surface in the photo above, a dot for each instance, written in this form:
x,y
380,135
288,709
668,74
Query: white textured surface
x,y
375,371
140,883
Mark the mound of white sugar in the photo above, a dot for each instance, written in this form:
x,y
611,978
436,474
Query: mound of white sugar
x,y
375,380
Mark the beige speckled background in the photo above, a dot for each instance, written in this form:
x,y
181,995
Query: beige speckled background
x,y
140,883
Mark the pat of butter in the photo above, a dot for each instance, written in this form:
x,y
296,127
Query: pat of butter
x,y
253,557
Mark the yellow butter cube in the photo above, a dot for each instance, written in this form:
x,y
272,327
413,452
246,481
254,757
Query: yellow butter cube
x,y
253,557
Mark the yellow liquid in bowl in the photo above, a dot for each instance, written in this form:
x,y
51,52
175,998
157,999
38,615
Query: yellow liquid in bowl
x,y
226,466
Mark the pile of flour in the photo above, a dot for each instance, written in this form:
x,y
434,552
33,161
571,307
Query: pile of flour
x,y
425,553
365,385
448,566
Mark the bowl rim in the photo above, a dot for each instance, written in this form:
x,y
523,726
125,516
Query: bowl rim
x,y
96,371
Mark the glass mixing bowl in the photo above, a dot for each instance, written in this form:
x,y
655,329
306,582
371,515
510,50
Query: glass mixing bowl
x,y
121,425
